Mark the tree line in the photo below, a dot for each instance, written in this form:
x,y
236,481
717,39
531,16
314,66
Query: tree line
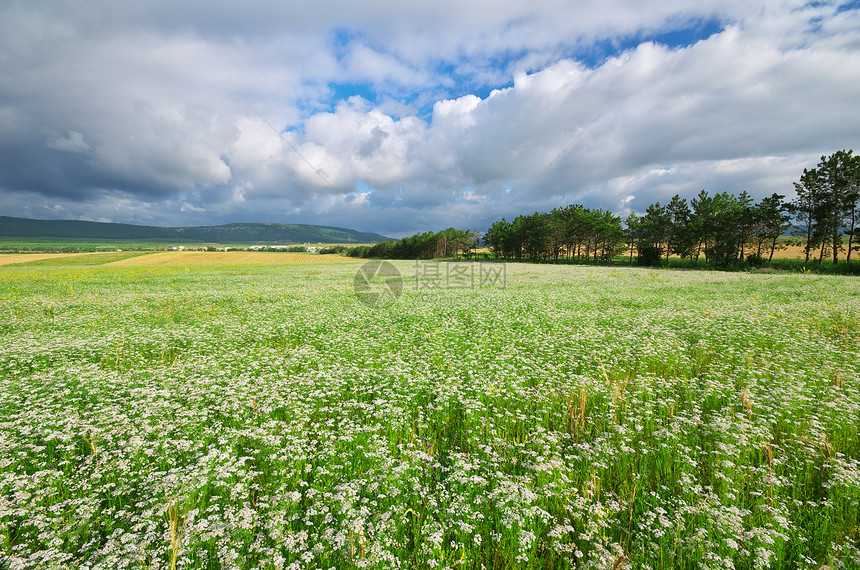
x,y
573,232
722,228
725,229
427,245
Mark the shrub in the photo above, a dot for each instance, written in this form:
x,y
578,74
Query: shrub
x,y
650,256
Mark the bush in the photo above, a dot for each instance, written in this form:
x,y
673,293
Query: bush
x,y
358,251
755,260
722,254
333,249
650,256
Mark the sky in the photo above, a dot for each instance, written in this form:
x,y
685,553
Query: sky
x,y
400,117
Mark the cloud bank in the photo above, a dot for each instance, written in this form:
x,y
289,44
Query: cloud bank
x,y
398,118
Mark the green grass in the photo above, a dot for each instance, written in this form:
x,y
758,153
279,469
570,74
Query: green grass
x,y
578,417
81,260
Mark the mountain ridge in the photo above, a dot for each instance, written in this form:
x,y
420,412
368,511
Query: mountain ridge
x,y
236,232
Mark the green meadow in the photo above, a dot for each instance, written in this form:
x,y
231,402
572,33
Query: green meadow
x,y
562,417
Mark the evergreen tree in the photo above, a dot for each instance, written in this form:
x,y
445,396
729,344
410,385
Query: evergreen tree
x,y
852,201
838,204
744,222
631,232
804,208
770,221
723,230
680,234
701,222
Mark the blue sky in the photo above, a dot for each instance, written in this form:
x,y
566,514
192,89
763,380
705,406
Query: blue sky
x,y
406,117
674,35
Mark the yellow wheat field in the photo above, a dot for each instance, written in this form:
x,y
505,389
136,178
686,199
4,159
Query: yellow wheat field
x,y
784,252
226,258
797,252
9,258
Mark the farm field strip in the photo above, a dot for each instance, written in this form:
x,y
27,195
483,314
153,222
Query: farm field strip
x,y
228,257
10,258
77,260
797,252
578,417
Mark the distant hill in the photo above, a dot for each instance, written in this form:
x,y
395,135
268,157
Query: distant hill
x,y
228,233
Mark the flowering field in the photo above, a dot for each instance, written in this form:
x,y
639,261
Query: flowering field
x,y
579,417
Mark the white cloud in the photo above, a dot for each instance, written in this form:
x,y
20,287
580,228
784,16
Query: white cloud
x,y
150,111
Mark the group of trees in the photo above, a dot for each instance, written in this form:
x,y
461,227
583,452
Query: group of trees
x,y
827,203
574,232
724,228
429,245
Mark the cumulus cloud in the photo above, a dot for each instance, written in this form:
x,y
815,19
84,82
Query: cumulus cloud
x,y
399,118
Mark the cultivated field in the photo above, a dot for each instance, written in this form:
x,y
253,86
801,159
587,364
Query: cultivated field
x,y
8,259
66,259
228,257
578,417
783,252
798,252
